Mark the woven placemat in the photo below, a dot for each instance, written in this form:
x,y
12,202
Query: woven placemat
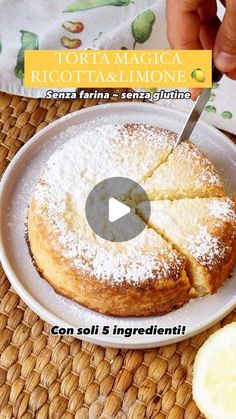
x,y
44,376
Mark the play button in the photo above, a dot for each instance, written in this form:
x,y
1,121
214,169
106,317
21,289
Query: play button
x,y
112,213
117,210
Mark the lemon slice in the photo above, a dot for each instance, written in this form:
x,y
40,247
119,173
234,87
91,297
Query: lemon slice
x,y
214,375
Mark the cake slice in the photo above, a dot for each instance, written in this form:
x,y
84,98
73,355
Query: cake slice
x,y
141,277
187,173
204,230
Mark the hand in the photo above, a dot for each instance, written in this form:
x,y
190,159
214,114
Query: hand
x,y
193,24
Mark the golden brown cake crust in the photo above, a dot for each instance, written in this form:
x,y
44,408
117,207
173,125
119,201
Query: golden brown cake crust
x,y
221,270
219,258
151,297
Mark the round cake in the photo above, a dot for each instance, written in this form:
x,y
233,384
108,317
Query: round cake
x,y
153,273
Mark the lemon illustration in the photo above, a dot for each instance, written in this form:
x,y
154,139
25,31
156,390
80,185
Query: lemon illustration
x,y
214,375
198,75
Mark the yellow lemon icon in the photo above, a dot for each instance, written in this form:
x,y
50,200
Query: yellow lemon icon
x,y
198,75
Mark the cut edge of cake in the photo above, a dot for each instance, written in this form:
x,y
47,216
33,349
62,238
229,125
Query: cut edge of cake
x,y
207,241
186,173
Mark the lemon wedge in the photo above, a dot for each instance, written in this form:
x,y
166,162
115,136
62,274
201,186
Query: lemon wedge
x,y
214,375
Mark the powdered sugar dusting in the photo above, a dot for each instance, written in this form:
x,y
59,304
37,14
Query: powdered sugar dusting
x,y
223,209
209,250
104,151
186,151
72,171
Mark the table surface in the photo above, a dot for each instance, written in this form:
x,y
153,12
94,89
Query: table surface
x,y
45,376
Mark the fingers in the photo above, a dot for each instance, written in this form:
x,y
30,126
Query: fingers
x,y
184,24
232,75
192,24
208,33
210,24
207,12
225,45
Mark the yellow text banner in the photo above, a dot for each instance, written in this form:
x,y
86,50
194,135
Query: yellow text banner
x,y
117,68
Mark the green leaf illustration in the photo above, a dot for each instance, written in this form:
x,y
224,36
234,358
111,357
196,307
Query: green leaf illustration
x,y
142,26
215,85
210,109
29,40
80,5
0,47
227,115
212,97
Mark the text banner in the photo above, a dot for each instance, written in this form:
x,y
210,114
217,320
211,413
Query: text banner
x,y
117,68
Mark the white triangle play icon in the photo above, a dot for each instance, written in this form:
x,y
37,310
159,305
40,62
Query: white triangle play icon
x,y
116,210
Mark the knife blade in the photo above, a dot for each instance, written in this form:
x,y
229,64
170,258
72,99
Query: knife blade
x,y
194,116
197,109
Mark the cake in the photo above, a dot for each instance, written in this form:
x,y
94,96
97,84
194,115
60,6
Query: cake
x,y
153,273
186,173
204,231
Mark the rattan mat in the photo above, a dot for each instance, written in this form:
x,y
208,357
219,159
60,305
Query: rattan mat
x,y
44,376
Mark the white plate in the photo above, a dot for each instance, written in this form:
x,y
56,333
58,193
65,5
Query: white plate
x,y
17,185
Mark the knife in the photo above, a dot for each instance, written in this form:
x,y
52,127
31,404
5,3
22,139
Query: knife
x,y
197,109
